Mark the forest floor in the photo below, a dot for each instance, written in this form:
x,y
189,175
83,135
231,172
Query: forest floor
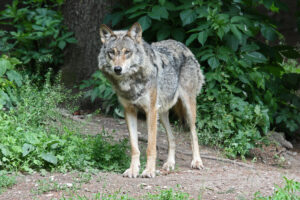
x,y
219,179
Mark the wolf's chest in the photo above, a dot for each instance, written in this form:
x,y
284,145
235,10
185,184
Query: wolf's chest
x,y
131,89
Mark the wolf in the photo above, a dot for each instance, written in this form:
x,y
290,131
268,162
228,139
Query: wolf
x,y
153,78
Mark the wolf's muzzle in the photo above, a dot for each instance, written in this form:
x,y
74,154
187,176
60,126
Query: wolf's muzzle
x,y
118,70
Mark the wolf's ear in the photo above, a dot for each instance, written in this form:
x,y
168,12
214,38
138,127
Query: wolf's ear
x,y
135,32
106,33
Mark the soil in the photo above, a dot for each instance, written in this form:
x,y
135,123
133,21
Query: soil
x,y
218,180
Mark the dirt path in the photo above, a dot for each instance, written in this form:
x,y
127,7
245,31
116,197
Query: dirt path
x,y
219,180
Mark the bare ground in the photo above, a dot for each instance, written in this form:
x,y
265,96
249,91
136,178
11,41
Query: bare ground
x,y
219,179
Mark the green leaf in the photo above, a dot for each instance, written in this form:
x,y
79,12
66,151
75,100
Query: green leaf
x,y
256,57
163,34
191,39
136,14
201,27
145,22
159,12
4,150
236,32
206,56
62,44
135,8
188,16
249,47
26,149
202,37
49,157
71,40
213,62
232,42
4,65
12,75
269,33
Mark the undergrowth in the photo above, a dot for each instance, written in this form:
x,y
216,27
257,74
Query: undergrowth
x,y
166,194
6,181
290,191
250,88
35,136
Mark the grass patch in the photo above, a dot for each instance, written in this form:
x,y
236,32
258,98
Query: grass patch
x,y
6,181
34,136
168,194
291,191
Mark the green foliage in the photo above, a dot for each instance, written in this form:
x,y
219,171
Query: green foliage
x,y
105,152
247,90
167,194
37,35
99,87
10,79
35,136
291,191
6,181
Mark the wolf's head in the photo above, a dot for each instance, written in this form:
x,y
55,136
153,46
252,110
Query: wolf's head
x,y
121,53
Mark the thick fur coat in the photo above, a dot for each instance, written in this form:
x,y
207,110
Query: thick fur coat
x,y
153,78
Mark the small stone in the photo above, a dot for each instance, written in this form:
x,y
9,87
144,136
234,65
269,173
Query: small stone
x,y
69,184
157,172
148,187
49,195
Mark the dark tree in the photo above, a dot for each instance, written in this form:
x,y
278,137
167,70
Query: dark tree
x,y
84,19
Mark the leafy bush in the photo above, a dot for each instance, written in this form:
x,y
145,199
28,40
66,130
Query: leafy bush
x,y
10,79
99,87
34,136
291,191
247,90
37,35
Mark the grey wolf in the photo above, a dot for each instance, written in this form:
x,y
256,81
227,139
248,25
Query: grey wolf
x,y
153,78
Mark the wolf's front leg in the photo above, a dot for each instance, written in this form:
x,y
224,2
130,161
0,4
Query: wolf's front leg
x,y
131,120
149,172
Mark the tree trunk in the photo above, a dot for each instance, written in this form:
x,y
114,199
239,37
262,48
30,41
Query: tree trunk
x,y
84,19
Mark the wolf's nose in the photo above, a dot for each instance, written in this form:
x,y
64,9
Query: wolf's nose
x,y
118,69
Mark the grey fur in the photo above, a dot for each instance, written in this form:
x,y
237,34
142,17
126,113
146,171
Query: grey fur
x,y
153,78
167,64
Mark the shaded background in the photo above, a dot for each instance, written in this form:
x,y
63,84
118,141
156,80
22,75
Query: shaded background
x,y
85,17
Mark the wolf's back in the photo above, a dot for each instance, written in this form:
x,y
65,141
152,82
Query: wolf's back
x,y
179,56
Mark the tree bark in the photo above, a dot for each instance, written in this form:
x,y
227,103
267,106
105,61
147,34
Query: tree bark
x,y
84,19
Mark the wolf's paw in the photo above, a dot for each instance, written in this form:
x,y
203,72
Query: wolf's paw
x,y
169,165
197,164
132,172
148,173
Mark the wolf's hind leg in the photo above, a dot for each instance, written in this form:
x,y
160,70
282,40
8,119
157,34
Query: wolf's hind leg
x,y
170,164
189,103
131,119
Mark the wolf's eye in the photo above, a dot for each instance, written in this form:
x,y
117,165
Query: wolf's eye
x,y
127,52
111,54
